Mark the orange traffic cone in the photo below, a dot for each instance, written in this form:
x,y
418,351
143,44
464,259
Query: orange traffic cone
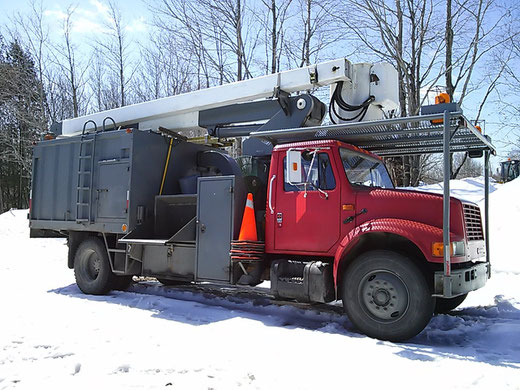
x,y
248,228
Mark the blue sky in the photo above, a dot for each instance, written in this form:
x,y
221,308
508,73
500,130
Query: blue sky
x,y
90,15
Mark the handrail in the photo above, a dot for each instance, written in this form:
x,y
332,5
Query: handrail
x,y
271,193
85,126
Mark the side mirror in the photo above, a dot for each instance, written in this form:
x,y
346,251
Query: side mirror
x,y
293,167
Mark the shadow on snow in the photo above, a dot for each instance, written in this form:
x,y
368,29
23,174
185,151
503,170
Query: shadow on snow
x,y
481,334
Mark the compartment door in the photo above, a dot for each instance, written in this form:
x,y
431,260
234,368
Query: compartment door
x,y
214,227
112,186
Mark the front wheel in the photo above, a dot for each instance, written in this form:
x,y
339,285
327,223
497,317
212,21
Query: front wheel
x,y
445,305
92,269
386,296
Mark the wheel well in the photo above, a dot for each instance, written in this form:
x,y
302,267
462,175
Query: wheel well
x,y
384,241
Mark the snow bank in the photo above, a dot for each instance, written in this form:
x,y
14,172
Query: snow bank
x,y
470,189
504,211
504,220
13,223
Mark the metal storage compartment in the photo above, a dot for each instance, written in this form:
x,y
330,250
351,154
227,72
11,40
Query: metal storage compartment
x,y
106,181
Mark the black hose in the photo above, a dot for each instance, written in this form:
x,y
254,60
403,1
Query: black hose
x,y
343,104
360,113
337,99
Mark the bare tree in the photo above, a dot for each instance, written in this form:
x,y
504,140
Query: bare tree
x,y
165,71
428,41
313,33
469,42
219,34
115,48
273,23
65,59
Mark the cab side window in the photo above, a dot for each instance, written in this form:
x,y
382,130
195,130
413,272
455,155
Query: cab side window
x,y
320,176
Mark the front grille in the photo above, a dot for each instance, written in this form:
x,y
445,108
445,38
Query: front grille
x,y
473,222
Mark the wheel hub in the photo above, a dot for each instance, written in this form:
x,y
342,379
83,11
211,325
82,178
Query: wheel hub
x,y
381,297
94,265
384,295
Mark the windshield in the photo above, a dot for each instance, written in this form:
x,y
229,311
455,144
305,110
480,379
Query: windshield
x,y
364,170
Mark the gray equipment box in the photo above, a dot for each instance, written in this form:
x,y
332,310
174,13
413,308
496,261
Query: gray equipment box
x,y
195,244
106,181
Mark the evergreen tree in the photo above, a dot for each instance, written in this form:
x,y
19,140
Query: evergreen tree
x,y
22,122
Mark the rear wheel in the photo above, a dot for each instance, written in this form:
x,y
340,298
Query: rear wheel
x,y
386,296
445,305
92,269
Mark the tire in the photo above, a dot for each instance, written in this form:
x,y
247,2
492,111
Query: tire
x,y
445,305
92,269
122,282
386,296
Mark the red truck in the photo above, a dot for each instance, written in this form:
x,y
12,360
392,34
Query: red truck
x,y
331,226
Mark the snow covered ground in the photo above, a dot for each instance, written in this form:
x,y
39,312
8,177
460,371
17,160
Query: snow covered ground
x,y
54,337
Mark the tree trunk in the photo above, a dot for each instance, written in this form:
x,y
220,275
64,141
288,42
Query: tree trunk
x,y
448,36
274,43
308,34
1,198
238,24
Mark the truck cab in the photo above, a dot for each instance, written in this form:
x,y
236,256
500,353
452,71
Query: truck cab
x,y
334,204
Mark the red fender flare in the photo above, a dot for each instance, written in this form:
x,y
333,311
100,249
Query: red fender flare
x,y
420,234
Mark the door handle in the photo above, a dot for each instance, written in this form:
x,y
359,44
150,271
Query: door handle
x,y
351,218
271,194
202,228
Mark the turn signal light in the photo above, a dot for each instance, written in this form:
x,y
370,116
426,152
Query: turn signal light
x,y
438,249
347,207
457,248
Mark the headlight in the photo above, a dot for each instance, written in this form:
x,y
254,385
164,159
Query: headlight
x,y
457,248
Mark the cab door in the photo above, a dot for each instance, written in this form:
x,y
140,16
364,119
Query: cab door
x,y
307,217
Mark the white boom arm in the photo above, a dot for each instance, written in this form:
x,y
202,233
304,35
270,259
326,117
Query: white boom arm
x,y
180,112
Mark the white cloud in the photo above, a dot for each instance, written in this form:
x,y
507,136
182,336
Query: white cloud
x,y
85,20
55,14
137,25
84,25
101,8
90,18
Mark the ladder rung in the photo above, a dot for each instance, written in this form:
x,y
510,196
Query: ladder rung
x,y
84,141
82,204
85,156
117,250
83,172
82,220
83,188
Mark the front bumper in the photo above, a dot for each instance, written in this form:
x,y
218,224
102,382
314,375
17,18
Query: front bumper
x,y
462,280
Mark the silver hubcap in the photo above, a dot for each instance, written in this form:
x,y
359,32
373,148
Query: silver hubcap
x,y
383,296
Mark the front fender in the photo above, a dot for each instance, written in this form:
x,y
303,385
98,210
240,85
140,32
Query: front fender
x,y
420,234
